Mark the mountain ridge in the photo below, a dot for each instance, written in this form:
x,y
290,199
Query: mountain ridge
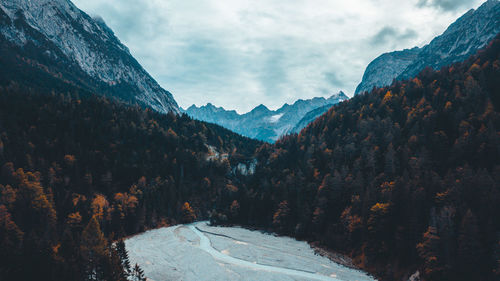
x,y
261,122
464,37
50,32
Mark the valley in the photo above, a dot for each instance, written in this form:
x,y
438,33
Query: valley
x,y
198,251
104,177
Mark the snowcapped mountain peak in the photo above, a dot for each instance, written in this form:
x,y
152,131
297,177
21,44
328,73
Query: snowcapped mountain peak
x,y
87,45
265,124
339,96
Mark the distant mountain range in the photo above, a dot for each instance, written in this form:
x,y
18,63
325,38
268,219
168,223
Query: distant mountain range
x,y
52,40
264,124
463,38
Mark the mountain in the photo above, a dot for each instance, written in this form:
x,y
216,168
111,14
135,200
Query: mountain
x,y
309,117
262,123
405,179
461,39
54,40
381,71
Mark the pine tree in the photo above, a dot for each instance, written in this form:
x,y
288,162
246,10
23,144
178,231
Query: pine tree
x,y
113,267
122,253
234,210
11,238
469,247
93,248
137,274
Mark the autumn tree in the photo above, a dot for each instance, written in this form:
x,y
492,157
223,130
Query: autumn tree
x,y
429,250
281,218
188,215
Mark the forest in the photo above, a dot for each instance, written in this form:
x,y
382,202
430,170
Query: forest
x,y
403,178
78,172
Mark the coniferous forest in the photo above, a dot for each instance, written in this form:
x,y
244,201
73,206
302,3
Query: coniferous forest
x,y
79,172
402,178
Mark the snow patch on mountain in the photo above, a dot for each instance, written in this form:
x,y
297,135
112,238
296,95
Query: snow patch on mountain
x,y
275,118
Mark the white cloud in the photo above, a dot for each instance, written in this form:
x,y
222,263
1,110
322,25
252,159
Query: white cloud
x,y
241,53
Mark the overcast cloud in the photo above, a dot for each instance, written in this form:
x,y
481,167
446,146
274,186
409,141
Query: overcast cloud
x,y
241,53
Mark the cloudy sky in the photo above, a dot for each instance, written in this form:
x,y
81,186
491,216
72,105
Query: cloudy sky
x,y
242,53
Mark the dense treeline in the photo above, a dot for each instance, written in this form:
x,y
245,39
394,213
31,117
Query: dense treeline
x,y
78,172
404,178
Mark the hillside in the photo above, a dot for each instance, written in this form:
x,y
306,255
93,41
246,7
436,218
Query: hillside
x,y
403,179
463,38
78,171
54,40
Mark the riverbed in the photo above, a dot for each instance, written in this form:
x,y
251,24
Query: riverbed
x,y
201,252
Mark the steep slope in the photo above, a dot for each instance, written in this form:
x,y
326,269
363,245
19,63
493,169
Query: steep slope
x,y
381,71
56,39
262,123
309,117
77,169
404,178
463,38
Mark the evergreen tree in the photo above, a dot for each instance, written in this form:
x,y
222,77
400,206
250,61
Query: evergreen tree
x,y
93,249
123,254
469,247
137,274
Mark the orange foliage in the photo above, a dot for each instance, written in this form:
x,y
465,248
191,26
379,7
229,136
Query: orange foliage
x,y
387,97
74,219
99,205
69,160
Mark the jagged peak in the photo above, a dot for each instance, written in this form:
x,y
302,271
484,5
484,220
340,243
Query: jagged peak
x,y
192,107
339,95
260,108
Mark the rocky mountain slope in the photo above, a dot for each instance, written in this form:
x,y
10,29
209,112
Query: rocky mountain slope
x,y
262,123
309,117
382,71
54,38
463,38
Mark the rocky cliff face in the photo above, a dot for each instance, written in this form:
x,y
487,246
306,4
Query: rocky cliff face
x,y
62,40
382,71
463,38
262,123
